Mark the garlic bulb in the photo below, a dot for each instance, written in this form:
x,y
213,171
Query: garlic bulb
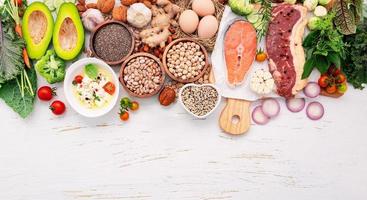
x,y
91,18
138,15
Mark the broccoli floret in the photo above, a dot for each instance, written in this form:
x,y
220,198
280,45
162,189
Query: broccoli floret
x,y
51,67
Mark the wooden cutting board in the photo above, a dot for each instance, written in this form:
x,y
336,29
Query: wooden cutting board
x,y
235,117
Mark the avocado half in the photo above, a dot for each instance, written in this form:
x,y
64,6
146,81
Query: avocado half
x,y
37,27
68,35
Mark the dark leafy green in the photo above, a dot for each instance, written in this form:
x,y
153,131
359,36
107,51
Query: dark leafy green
x,y
348,15
323,46
355,66
10,93
11,46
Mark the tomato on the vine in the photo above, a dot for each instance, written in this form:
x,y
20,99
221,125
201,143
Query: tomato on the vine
x,y
331,89
323,81
340,78
342,88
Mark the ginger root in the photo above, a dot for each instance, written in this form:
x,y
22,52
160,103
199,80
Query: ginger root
x,y
155,36
163,17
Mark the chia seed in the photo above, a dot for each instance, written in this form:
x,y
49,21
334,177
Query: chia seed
x,y
112,42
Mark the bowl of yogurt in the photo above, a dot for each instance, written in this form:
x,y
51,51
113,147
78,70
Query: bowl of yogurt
x,y
91,87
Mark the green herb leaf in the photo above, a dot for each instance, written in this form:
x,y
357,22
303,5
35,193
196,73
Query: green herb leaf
x,y
309,65
311,38
334,58
91,71
322,64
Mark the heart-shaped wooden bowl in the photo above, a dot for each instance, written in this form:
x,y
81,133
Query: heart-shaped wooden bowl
x,y
164,59
121,75
196,85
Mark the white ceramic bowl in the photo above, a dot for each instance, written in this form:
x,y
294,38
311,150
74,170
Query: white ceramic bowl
x,y
197,85
74,70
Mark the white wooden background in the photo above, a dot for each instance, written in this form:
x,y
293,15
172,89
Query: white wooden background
x,y
163,153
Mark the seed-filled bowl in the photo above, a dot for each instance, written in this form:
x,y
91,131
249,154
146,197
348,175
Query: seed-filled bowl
x,y
185,60
112,42
142,75
199,100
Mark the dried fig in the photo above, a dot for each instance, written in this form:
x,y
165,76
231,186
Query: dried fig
x,y
167,96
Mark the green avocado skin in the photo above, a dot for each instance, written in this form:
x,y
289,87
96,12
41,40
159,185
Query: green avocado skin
x,y
68,15
36,49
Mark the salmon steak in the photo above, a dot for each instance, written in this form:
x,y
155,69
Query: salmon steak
x,y
240,45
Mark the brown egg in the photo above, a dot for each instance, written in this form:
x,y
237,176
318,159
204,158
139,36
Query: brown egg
x,y
208,27
188,21
203,7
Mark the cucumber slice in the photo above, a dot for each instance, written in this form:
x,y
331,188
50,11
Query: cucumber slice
x,y
50,4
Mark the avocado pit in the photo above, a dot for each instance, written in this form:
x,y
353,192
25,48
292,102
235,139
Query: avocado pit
x,y
37,26
68,36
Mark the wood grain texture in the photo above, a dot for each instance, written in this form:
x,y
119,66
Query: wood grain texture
x,y
235,116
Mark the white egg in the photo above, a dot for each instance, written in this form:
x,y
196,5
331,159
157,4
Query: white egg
x,y
208,27
203,7
188,21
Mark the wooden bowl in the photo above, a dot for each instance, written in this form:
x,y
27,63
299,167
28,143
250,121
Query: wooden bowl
x,y
91,41
121,74
179,79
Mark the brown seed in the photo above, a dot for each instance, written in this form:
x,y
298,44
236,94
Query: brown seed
x,y
167,96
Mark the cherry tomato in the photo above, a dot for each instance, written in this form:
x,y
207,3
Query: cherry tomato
x,y
46,93
342,88
261,56
134,106
323,81
57,107
110,88
340,78
336,72
78,79
19,3
124,116
331,89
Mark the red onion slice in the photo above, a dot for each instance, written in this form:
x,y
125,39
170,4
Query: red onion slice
x,y
312,90
295,104
259,117
270,107
315,110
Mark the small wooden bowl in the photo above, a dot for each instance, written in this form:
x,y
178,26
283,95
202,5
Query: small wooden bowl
x,y
121,75
164,59
91,41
